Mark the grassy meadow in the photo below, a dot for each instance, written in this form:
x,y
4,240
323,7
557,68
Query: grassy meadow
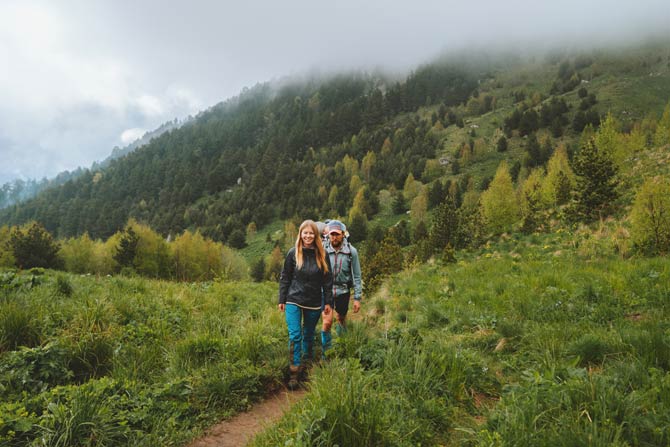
x,y
99,361
530,340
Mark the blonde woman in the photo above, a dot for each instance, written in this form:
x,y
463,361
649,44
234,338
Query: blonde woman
x,y
305,280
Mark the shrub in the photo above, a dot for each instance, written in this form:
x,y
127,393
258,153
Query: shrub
x,y
650,216
34,370
34,247
19,326
91,356
63,286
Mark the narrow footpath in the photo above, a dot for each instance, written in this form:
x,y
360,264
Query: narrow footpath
x,y
241,429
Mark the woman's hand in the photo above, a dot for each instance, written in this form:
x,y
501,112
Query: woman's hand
x,y
327,309
281,307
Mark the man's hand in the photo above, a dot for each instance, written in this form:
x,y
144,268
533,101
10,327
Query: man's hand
x,y
327,309
357,306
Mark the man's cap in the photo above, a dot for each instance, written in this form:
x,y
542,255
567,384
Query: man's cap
x,y
335,226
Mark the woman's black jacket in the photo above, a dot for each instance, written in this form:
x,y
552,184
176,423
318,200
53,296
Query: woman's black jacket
x,y
304,286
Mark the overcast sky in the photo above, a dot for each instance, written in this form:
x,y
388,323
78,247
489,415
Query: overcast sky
x,y
78,77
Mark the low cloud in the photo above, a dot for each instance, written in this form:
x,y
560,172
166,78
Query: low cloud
x,y
79,77
130,135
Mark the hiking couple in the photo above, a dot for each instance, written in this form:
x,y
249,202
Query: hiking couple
x,y
316,281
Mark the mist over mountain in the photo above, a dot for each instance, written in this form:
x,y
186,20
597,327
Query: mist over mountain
x,y
308,147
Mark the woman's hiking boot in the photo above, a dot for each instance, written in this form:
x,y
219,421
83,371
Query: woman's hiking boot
x,y
294,372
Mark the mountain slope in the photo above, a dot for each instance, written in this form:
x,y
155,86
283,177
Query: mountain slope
x,y
281,152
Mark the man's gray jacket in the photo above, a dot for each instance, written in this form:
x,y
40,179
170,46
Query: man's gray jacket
x,y
346,268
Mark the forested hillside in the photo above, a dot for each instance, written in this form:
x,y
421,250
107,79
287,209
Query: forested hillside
x,y
253,158
460,151
513,219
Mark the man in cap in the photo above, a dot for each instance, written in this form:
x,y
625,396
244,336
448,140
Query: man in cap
x,y
346,269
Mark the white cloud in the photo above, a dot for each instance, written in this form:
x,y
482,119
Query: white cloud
x,y
130,135
150,105
77,75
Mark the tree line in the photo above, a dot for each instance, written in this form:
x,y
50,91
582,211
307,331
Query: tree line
x,y
250,159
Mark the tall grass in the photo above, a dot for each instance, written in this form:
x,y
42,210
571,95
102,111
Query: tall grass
x,y
129,361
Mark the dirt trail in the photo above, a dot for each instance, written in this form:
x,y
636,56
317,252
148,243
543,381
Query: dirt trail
x,y
241,429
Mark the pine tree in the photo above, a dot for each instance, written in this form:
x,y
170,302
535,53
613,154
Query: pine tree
x,y
358,225
127,248
531,201
559,180
398,205
596,182
502,144
258,270
34,247
387,260
445,226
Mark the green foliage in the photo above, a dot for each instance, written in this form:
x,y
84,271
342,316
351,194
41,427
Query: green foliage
x,y
19,326
237,239
662,135
195,258
358,225
650,216
445,229
499,204
258,270
560,179
79,254
63,286
502,144
387,259
6,255
34,370
531,201
152,256
596,182
144,363
127,249
33,246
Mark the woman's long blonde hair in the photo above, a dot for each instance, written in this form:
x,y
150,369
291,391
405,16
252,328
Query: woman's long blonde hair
x,y
318,246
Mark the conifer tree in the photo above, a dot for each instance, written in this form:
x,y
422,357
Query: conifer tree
x,y
445,226
609,139
436,194
34,247
596,182
388,259
258,270
531,201
358,225
127,248
533,156
398,204
560,178
501,146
